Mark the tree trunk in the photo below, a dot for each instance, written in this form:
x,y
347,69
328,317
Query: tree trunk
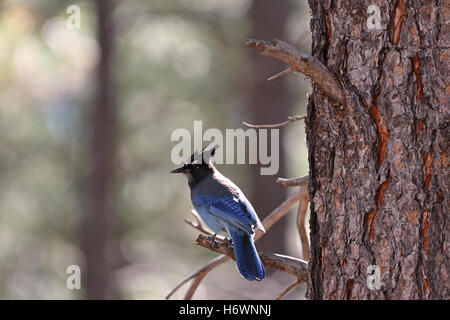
x,y
96,225
379,183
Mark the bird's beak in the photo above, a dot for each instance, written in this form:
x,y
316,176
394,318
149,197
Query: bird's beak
x,y
177,170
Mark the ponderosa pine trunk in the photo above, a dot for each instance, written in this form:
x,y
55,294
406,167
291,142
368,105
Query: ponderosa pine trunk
x,y
379,181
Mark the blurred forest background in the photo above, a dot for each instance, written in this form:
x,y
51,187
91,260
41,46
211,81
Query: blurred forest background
x,y
86,117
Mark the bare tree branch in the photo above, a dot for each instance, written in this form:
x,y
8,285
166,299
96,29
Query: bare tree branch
x,y
274,126
301,62
268,222
293,266
296,267
279,212
198,275
301,214
198,224
302,181
289,288
279,75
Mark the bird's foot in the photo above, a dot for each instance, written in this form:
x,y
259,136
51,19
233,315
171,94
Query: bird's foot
x,y
228,242
213,240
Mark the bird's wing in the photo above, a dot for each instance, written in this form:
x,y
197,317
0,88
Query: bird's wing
x,y
249,208
231,210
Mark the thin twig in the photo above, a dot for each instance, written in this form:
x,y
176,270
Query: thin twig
x,y
198,224
289,288
268,222
279,75
276,125
279,212
199,274
203,272
301,62
302,181
293,266
301,214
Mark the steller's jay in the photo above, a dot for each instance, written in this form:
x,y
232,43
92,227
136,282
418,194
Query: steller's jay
x,y
223,207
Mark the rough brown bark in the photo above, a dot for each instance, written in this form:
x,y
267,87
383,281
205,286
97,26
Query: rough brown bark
x,y
379,183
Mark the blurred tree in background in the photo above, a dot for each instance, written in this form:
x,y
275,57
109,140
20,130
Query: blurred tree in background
x,y
86,118
269,102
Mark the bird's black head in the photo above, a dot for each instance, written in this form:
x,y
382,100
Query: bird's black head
x,y
198,165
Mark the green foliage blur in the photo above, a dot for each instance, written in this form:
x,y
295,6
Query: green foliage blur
x,y
174,62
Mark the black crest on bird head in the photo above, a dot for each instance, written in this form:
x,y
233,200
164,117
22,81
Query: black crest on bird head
x,y
198,165
203,156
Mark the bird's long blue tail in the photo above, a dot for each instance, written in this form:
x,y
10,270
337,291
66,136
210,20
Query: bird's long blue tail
x,y
247,258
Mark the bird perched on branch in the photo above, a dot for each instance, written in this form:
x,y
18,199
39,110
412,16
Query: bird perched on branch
x,y
224,208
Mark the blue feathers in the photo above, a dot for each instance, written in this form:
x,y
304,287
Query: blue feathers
x,y
247,259
224,208
228,209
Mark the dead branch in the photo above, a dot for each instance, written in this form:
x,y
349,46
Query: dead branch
x,y
296,267
293,266
198,224
302,181
301,62
276,125
268,222
198,275
279,75
301,214
279,212
289,288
